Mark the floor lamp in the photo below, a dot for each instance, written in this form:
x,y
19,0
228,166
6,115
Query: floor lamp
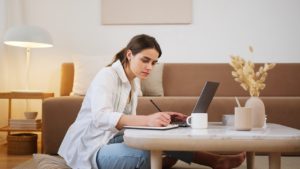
x,y
28,37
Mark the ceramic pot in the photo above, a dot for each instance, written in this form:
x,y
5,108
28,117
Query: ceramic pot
x,y
243,118
258,111
30,114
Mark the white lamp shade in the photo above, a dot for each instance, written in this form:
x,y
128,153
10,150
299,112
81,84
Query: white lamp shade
x,y
28,37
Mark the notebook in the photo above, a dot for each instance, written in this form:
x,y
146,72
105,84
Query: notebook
x,y
170,126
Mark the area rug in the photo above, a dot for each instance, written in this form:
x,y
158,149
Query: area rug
x,y
260,161
29,164
44,161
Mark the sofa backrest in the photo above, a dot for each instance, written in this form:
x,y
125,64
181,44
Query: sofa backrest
x,y
184,79
187,79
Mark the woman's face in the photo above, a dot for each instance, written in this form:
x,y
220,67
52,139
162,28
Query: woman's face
x,y
142,63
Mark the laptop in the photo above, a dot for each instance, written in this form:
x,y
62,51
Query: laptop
x,y
206,96
201,106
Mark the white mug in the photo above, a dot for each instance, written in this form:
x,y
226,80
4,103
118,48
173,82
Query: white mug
x,y
198,120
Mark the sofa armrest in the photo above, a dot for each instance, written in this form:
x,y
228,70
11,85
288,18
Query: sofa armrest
x,y
66,79
58,114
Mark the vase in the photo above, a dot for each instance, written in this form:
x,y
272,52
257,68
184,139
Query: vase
x,y
258,111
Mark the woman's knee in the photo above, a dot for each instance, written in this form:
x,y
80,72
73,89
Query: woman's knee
x,y
115,156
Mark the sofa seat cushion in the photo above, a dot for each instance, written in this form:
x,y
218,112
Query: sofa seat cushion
x,y
62,111
279,110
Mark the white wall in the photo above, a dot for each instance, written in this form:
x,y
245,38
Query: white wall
x,y
220,28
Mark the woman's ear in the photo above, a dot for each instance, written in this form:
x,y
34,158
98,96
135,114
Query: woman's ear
x,y
129,54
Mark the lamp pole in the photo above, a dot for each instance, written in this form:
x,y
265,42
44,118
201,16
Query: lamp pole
x,y
27,68
27,75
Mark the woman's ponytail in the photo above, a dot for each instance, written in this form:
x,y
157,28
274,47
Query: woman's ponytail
x,y
121,56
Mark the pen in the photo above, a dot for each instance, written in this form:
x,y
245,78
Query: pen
x,y
173,118
155,105
237,102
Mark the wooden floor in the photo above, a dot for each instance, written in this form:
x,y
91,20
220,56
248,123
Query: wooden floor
x,y
10,161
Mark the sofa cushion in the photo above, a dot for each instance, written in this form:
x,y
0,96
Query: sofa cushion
x,y
44,161
280,110
85,68
60,112
153,85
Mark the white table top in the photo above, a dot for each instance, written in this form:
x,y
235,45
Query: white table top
x,y
272,138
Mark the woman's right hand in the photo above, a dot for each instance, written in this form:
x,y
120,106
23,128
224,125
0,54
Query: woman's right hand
x,y
159,119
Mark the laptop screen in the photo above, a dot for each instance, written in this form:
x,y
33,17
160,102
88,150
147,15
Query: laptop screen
x,y
206,96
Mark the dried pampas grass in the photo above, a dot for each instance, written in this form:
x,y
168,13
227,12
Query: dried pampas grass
x,y
245,74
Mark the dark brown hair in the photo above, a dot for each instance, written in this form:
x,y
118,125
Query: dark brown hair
x,y
136,45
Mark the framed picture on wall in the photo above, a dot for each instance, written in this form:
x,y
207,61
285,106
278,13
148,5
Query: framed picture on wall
x,y
118,12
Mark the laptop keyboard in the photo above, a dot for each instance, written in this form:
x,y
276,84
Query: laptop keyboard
x,y
180,123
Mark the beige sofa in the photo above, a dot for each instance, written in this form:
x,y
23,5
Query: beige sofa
x,y
182,84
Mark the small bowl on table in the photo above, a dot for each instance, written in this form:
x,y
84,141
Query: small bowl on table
x,y
30,114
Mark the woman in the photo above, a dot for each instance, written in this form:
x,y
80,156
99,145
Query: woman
x,y
95,139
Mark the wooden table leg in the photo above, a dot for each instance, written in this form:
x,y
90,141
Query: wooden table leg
x,y
274,161
9,113
250,160
42,146
156,160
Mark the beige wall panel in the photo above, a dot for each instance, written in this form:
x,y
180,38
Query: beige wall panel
x,y
116,12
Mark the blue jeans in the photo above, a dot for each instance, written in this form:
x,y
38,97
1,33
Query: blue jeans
x,y
117,155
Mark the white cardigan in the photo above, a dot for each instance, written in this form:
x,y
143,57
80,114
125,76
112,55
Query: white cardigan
x,y
100,112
